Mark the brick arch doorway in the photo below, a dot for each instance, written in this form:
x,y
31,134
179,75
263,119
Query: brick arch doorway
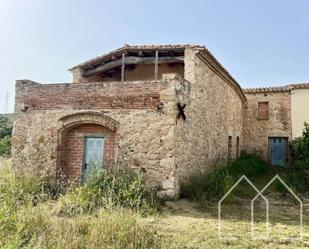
x,y
83,137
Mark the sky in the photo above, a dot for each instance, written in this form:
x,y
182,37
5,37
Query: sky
x,y
260,42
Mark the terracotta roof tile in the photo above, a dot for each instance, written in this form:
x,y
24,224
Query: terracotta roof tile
x,y
300,86
285,88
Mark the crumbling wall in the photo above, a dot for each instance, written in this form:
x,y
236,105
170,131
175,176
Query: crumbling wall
x,y
145,111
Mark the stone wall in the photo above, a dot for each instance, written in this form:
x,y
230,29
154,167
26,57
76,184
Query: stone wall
x,y
145,111
141,118
257,131
214,111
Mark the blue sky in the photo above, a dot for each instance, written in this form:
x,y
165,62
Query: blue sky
x,y
260,42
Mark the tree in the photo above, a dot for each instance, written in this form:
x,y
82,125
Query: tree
x,y
6,127
300,145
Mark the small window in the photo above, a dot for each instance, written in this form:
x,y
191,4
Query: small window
x,y
263,113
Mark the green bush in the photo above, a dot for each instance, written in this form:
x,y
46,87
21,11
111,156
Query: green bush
x,y
297,175
300,146
34,214
6,127
5,146
104,189
214,184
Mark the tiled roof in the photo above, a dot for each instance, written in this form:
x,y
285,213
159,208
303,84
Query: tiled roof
x,y
300,86
285,88
127,47
267,89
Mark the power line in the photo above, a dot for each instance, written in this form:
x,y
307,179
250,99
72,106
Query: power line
x,y
275,72
276,68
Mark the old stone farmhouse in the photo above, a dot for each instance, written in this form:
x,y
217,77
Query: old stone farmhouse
x,y
169,111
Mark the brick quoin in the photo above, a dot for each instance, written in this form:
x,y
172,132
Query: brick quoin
x,y
75,148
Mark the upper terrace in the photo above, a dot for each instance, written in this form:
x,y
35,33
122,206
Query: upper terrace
x,y
131,63
147,63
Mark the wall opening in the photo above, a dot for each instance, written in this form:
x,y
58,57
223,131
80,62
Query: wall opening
x,y
81,144
237,147
229,148
135,65
73,129
263,112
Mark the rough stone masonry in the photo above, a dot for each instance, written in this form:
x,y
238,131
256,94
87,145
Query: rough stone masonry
x,y
132,98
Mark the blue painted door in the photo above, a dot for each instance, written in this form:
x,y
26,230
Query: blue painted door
x,y
278,150
93,154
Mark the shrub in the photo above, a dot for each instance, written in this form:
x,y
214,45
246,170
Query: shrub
x,y
214,184
6,127
104,189
300,146
297,176
5,146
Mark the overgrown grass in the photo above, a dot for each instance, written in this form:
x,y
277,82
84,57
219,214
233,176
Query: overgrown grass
x,y
105,189
206,189
37,227
111,215
102,213
214,184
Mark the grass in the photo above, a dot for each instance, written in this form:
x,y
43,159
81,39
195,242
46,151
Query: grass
x,y
188,228
121,213
105,212
38,227
108,190
206,189
211,186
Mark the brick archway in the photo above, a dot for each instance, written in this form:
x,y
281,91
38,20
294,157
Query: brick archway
x,y
88,118
72,131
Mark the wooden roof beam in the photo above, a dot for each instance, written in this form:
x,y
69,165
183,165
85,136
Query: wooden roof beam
x,y
133,60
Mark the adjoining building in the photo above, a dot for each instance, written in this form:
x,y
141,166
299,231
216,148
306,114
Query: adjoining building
x,y
299,107
168,110
273,117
